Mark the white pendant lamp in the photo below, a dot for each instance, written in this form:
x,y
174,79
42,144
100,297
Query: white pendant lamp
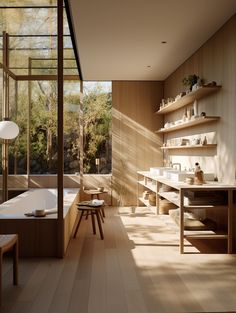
x,y
8,129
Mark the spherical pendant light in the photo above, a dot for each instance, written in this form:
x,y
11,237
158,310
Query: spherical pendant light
x,y
8,130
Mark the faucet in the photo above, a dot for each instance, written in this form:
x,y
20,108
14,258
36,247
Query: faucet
x,y
179,164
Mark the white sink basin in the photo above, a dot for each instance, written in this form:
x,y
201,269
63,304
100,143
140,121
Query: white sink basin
x,y
176,175
181,176
168,172
158,170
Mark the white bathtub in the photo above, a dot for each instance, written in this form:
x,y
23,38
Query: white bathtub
x,y
38,235
36,199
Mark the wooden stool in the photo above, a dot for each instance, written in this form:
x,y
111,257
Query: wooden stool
x,y
93,211
95,194
9,242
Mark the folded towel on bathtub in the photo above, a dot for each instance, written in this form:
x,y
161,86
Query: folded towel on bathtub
x,y
97,202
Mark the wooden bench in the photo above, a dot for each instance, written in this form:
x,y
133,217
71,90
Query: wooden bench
x,y
7,243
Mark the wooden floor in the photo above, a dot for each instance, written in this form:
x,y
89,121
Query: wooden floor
x,y
136,269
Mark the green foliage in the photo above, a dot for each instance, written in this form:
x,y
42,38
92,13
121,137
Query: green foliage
x,y
190,80
17,147
43,129
97,106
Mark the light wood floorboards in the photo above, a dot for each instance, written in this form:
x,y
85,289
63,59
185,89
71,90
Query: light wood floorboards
x,y
136,269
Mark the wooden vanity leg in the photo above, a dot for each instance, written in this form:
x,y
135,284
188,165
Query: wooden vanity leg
x,y
230,222
157,197
181,224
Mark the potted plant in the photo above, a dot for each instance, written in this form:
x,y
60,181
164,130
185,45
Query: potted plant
x,y
190,80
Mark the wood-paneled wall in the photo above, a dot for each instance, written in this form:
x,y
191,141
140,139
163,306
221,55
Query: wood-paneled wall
x,y
214,61
70,181
135,146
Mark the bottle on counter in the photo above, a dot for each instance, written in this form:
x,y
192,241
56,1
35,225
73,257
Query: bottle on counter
x,y
204,141
198,175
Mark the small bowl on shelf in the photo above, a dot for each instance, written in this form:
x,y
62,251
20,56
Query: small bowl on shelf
x,y
39,213
189,180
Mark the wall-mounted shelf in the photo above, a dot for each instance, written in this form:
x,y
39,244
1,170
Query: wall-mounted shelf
x,y
198,121
189,98
208,146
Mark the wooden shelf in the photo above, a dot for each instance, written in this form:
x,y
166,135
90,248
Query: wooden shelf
x,y
189,98
146,203
148,186
141,183
200,120
204,207
172,196
208,146
207,236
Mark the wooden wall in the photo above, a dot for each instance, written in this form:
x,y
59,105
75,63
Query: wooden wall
x,y
214,61
94,181
135,146
70,181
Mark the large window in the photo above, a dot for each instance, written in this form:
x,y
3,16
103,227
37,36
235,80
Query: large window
x,y
28,35
19,114
31,44
71,127
43,128
97,105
